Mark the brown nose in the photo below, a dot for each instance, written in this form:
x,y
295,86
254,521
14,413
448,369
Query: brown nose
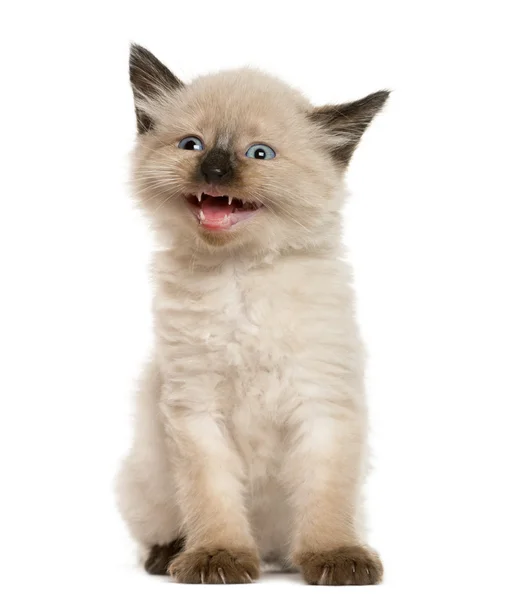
x,y
216,166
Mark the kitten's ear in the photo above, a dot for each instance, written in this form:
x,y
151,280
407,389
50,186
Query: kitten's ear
x,y
151,80
347,122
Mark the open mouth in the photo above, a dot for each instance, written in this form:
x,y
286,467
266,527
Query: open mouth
x,y
220,212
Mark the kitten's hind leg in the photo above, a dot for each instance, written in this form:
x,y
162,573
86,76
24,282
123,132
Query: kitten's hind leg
x,y
161,556
145,485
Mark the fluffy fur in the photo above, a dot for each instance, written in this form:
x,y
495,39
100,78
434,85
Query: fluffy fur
x,y
250,440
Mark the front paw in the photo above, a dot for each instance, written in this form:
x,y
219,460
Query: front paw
x,y
215,565
348,565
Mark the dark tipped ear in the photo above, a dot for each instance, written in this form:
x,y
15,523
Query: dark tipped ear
x,y
150,79
347,122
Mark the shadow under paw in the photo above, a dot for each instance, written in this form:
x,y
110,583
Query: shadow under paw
x,y
348,565
160,557
215,565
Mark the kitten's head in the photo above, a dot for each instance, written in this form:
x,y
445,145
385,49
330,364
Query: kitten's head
x,y
239,159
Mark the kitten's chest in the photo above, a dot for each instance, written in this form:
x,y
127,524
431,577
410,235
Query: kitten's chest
x,y
231,344
228,330
257,360
236,319
248,336
224,348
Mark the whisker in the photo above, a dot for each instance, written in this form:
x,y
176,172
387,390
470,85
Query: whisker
x,y
283,209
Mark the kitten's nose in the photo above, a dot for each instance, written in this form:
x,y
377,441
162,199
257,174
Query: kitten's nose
x,y
213,173
216,166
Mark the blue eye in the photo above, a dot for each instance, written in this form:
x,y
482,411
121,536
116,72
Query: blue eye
x,y
260,152
191,143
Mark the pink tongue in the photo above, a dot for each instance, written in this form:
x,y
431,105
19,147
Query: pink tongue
x,y
215,212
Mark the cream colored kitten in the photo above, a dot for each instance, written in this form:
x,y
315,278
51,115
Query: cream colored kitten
x,y
251,425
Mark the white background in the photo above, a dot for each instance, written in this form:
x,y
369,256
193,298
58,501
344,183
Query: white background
x,y
425,228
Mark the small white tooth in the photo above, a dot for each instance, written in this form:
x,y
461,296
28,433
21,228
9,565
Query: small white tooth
x,y
199,196
202,216
230,199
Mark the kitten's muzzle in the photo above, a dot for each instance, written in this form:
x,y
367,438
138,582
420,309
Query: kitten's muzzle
x,y
216,167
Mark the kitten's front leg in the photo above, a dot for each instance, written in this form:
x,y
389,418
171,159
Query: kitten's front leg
x,y
325,466
219,545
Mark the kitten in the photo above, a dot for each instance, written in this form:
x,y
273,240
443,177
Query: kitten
x,y
250,440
